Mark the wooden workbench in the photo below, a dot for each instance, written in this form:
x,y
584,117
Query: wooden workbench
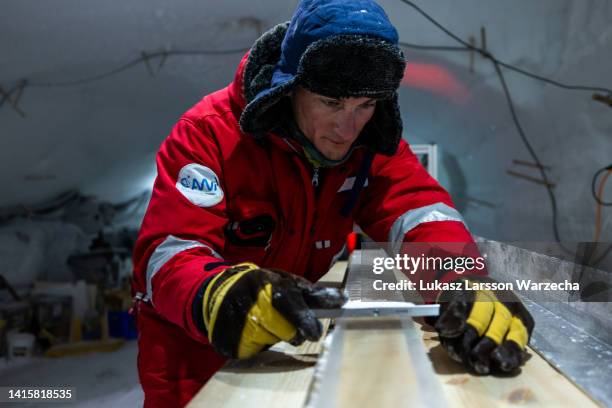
x,y
374,372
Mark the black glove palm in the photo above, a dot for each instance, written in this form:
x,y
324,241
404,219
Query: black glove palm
x,y
486,329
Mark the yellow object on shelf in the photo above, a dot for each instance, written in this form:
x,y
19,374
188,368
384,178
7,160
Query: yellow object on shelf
x,y
83,347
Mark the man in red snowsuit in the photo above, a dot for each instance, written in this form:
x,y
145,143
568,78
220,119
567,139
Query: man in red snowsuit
x,y
258,186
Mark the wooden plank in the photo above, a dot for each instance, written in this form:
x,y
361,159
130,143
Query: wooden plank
x,y
377,369
279,377
335,275
537,385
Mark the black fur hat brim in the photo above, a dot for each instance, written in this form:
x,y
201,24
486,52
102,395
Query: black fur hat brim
x,y
258,116
346,66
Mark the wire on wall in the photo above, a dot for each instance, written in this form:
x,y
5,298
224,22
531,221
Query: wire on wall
x,y
13,95
466,46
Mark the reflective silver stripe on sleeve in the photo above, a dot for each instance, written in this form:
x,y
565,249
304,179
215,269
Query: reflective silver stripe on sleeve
x,y
165,251
412,218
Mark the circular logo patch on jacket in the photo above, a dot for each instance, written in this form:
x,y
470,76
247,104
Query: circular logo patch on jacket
x,y
200,185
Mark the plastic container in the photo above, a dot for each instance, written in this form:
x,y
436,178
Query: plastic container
x,y
121,324
92,325
20,345
53,314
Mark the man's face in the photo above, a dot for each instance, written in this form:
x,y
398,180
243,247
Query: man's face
x,y
331,125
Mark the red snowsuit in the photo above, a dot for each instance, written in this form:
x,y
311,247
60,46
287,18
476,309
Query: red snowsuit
x,y
297,227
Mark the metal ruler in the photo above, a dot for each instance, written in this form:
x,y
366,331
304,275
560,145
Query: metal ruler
x,y
377,314
378,309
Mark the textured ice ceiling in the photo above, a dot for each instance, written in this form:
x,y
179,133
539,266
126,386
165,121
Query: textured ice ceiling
x,y
101,137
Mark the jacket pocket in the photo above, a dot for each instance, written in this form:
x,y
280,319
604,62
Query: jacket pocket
x,y
250,230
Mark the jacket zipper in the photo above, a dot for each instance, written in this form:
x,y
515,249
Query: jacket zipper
x,y
315,177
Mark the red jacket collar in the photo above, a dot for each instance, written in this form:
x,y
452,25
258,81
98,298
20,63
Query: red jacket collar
x,y
236,89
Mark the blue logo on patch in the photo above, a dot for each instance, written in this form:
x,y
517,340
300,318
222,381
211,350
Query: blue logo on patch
x,y
203,185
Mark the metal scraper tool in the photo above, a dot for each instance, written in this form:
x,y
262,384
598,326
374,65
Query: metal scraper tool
x,y
375,309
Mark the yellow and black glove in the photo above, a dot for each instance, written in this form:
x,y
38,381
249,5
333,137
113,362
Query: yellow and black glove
x,y
247,309
487,330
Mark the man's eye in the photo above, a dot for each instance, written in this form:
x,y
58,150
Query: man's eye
x,y
332,103
369,105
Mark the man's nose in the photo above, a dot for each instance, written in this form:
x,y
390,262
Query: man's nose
x,y
346,126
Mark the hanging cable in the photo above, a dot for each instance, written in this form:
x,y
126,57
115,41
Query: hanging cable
x,y
144,58
599,205
551,194
434,47
497,63
486,54
598,196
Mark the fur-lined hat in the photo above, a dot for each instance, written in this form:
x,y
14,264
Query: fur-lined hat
x,y
336,48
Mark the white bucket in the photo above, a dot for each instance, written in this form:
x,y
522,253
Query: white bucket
x,y
20,345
